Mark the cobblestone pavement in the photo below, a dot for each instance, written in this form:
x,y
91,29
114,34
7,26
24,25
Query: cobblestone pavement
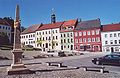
x,y
56,72
44,71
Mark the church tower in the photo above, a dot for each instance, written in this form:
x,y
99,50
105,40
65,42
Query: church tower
x,y
53,17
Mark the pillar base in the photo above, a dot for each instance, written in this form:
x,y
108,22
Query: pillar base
x,y
18,69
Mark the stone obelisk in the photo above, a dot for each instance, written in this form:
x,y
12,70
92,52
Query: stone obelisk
x,y
17,67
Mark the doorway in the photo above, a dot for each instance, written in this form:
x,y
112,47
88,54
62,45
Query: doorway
x,y
112,49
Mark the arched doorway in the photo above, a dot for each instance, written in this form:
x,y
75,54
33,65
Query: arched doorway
x,y
96,48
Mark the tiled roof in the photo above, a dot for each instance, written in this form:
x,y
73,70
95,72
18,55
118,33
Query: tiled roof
x,y
69,23
31,29
111,27
4,22
50,26
84,25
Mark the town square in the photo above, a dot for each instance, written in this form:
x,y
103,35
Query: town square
x,y
42,40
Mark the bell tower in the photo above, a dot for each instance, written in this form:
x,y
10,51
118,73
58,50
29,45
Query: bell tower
x,y
53,17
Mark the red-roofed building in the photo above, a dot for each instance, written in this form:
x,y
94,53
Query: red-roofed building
x,y
111,38
87,36
67,36
28,35
6,28
48,36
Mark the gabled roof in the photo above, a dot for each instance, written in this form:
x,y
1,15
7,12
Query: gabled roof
x,y
90,24
111,27
69,23
31,29
50,26
4,22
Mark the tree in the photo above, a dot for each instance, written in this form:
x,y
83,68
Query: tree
x,y
4,39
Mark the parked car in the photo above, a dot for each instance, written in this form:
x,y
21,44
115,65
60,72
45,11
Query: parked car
x,y
110,59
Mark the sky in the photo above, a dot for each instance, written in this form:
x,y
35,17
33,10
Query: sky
x,y
39,11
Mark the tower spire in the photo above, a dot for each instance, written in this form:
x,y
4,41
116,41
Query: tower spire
x,y
53,17
17,13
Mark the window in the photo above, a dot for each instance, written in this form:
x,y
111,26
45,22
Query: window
x,y
64,41
64,35
84,33
119,41
61,41
80,33
68,35
76,40
56,31
56,37
111,41
106,42
68,46
71,40
93,39
76,34
26,36
53,37
88,32
84,39
49,38
9,28
46,32
6,28
68,41
110,35
107,49
71,34
43,38
93,32
39,33
80,40
56,44
97,39
61,35
116,48
89,39
105,35
115,35
81,47
97,32
115,41
43,33
49,32
118,34
0,27
53,31
46,38
33,35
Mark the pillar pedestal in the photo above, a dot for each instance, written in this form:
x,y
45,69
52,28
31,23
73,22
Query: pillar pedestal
x,y
17,67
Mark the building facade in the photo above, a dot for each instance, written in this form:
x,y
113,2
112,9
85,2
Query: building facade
x,y
111,38
87,36
5,30
7,27
48,36
67,36
28,36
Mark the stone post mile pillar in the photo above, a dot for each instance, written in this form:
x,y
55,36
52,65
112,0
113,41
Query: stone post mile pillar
x,y
17,67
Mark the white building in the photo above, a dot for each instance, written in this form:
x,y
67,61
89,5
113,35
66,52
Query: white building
x,y
6,29
48,36
111,38
28,36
